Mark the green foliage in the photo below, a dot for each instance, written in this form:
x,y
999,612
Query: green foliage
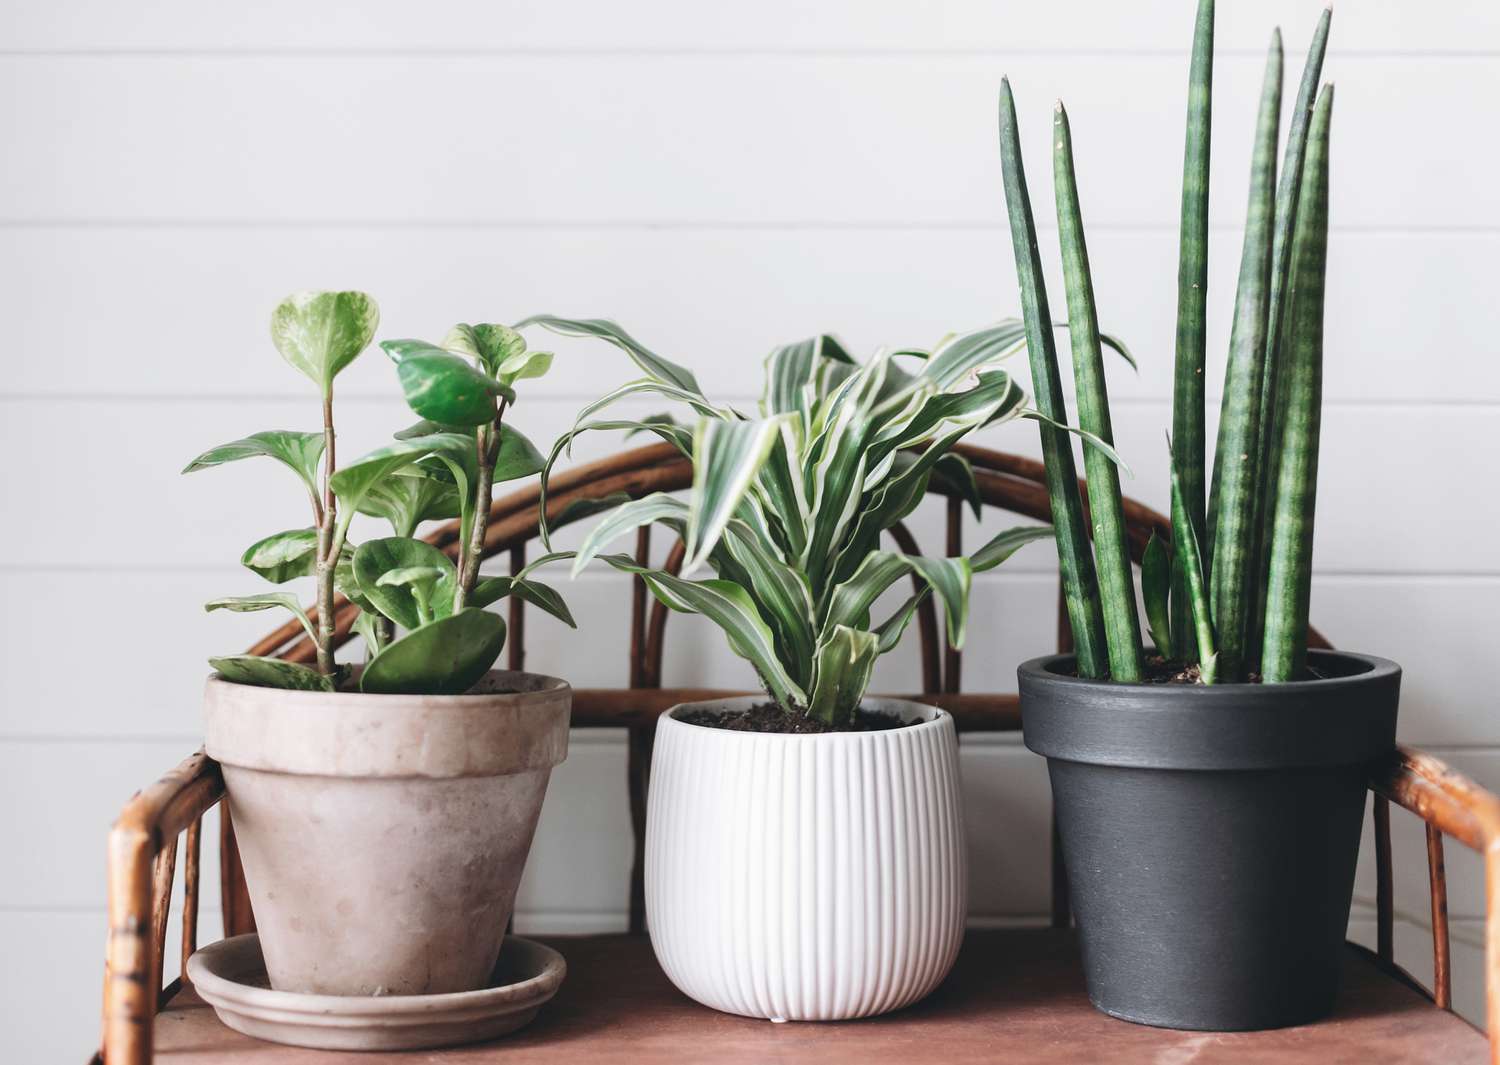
x,y
443,657
419,613
320,333
1256,524
788,509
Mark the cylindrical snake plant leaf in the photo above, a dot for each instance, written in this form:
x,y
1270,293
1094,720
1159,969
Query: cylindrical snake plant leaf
x,y
1192,297
1290,578
1188,559
1233,571
1288,194
1076,561
1122,627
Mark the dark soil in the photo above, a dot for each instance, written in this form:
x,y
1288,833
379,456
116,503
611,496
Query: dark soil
x,y
1162,671
768,717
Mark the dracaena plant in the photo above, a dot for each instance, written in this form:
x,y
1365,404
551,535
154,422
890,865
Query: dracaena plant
x,y
788,507
1231,596
421,615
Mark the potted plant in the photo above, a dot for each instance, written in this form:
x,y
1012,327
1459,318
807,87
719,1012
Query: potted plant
x,y
804,847
384,813
1208,795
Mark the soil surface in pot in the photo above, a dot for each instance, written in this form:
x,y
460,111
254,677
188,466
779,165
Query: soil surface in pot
x,y
1160,670
768,717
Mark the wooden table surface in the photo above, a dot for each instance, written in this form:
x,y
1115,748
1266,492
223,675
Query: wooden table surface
x,y
1014,996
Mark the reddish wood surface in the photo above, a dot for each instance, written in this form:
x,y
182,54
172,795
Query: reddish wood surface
x,y
1015,996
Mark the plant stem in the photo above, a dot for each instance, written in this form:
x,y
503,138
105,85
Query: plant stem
x,y
1289,583
1192,298
1122,627
1075,560
487,442
327,548
1233,572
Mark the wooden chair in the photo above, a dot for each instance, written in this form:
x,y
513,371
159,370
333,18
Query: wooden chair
x,y
1014,994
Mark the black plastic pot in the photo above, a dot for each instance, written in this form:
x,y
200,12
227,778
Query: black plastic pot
x,y
1210,833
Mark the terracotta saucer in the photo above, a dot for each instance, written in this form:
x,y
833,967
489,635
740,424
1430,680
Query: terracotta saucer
x,y
231,977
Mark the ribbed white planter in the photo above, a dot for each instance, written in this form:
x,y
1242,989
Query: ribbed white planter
x,y
806,877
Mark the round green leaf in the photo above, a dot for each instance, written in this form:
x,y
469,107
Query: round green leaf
x,y
375,559
443,387
320,333
517,457
445,657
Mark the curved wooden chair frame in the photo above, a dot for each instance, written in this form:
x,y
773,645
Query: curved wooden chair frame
x,y
144,842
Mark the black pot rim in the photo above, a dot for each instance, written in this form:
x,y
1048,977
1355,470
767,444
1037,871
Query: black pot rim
x,y
1340,719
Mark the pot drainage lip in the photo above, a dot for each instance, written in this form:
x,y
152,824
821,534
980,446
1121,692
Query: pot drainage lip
x,y
230,976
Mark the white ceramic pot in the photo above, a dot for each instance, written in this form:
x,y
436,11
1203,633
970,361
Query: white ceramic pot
x,y
383,836
816,877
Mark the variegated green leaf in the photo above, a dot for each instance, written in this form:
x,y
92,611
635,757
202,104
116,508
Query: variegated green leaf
x,y
791,368
850,602
423,589
298,452
963,353
283,556
543,596
658,367
726,458
1087,437
411,496
491,344
891,629
1003,545
627,517
442,387
845,658
355,481
676,435
319,333
949,579
368,628
730,607
272,673
265,601
957,473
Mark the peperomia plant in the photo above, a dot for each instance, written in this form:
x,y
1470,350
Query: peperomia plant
x,y
1232,597
443,467
788,508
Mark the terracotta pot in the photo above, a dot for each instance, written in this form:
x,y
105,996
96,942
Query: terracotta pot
x,y
1210,833
383,836
806,877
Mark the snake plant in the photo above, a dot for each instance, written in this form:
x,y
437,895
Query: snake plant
x,y
788,503
443,467
1231,597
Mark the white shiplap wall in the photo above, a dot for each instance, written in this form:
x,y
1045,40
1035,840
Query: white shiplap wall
x,y
719,178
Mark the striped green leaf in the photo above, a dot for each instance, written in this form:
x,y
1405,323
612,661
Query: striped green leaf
x,y
1076,560
1188,559
627,517
1288,585
1192,297
1288,196
844,661
727,456
1232,563
949,579
730,607
1122,628
1001,546
662,369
